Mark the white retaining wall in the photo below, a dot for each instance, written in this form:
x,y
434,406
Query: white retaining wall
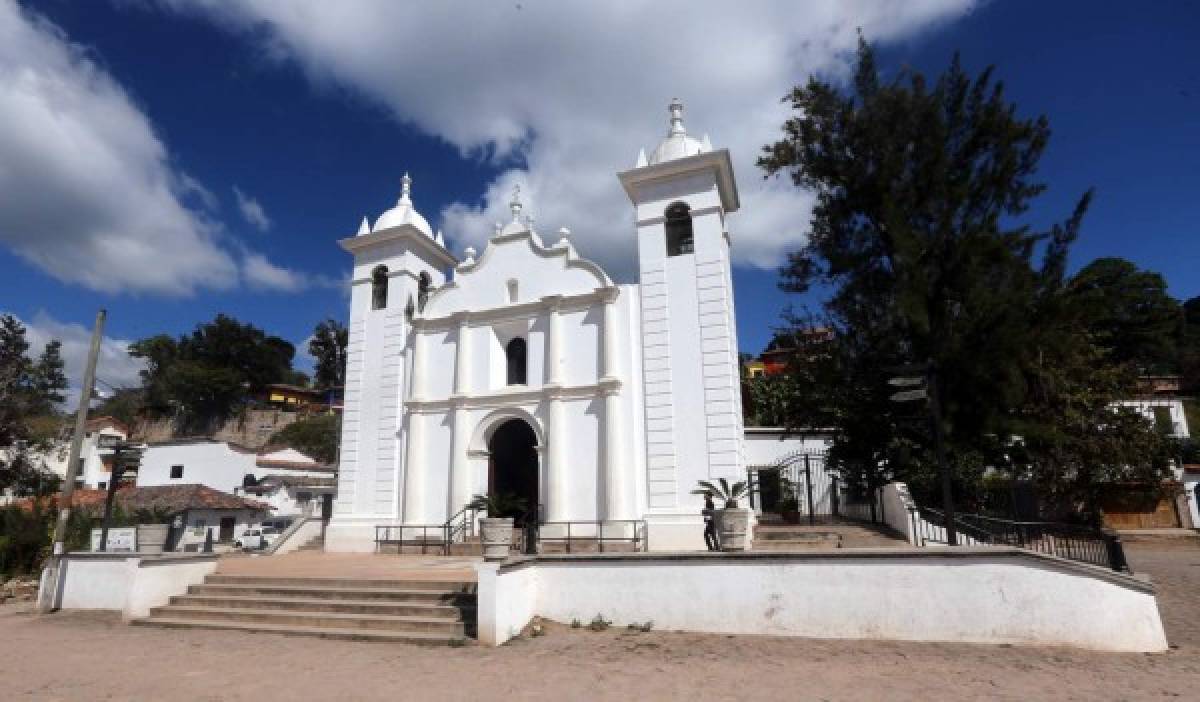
x,y
130,583
978,595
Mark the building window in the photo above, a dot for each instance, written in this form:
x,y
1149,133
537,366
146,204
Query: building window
x,y
248,480
101,485
424,284
379,287
303,496
515,355
679,229
512,291
176,472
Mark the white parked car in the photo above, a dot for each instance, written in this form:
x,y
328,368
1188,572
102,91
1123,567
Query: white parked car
x,y
258,538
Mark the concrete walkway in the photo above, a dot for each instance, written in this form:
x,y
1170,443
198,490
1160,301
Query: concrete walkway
x,y
363,566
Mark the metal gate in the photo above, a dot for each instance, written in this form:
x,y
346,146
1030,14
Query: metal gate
x,y
797,487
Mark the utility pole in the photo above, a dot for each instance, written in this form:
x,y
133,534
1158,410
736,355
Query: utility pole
x,y
48,594
939,444
926,388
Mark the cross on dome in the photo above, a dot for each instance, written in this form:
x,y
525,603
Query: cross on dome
x,y
515,203
676,110
677,143
403,213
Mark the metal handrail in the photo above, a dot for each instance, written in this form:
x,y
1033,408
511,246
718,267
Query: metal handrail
x,y
395,534
1070,541
637,538
459,527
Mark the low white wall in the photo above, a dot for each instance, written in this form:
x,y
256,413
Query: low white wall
x,y
896,502
157,580
510,605
96,581
130,583
977,595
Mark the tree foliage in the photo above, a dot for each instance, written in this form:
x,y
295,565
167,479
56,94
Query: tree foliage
x,y
921,188
30,393
328,347
205,376
316,436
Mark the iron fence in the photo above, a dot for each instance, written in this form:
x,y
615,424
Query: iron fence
x,y
431,538
577,533
1072,542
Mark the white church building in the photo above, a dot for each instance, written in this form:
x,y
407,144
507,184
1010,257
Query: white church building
x,y
525,369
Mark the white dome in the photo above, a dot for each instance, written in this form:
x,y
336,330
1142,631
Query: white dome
x,y
678,144
403,213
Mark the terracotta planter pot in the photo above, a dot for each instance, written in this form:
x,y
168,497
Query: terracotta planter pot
x,y
151,538
732,525
496,535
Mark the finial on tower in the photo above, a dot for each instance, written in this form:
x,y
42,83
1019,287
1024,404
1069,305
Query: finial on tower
x,y
405,188
676,110
515,205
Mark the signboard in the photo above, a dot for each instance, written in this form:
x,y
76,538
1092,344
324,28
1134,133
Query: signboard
x,y
120,540
909,395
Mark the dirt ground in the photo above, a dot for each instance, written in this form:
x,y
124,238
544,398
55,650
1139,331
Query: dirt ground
x,y
89,656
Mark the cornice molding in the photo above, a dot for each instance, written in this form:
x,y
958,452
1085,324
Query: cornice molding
x,y
521,310
509,398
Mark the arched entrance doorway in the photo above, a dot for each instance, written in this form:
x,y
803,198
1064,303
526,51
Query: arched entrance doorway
x,y
513,464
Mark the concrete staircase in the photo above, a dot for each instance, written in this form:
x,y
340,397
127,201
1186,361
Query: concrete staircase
x,y
409,611
777,537
802,537
316,543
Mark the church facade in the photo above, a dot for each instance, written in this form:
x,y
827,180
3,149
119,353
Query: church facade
x,y
524,369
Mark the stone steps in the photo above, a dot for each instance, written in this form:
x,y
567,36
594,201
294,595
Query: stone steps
x,y
385,607
409,637
416,611
344,593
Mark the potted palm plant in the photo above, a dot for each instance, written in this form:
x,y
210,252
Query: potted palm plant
x,y
495,530
732,521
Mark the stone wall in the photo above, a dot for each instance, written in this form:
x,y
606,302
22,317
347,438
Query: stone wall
x,y
253,429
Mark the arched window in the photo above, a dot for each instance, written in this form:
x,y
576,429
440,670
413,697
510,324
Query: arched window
x,y
679,229
515,355
424,283
379,287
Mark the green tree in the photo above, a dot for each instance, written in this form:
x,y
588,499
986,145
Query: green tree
x,y
1129,313
29,423
316,436
48,376
1189,347
328,347
206,376
920,189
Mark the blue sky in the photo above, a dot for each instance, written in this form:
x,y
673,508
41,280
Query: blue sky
x,y
171,160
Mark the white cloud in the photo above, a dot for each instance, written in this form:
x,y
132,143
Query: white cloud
x,y
261,274
252,211
87,192
114,366
570,91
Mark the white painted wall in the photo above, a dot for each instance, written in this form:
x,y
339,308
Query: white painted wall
x,y
214,464
131,584
995,595
766,446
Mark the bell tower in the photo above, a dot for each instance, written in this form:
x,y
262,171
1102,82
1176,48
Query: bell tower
x,y
681,195
396,263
